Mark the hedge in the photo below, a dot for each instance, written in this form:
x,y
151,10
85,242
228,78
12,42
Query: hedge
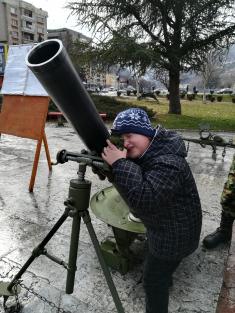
x,y
109,105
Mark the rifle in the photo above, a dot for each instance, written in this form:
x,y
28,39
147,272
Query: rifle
x,y
206,138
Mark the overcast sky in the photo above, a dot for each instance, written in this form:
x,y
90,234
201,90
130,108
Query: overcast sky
x,y
58,16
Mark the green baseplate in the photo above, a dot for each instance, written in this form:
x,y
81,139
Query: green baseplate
x,y
109,207
5,292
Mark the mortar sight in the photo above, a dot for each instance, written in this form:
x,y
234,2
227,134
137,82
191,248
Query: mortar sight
x,y
52,66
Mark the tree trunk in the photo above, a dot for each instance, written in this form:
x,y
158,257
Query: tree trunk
x,y
137,86
174,97
204,92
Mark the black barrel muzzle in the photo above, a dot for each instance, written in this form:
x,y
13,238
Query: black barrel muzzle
x,y
52,66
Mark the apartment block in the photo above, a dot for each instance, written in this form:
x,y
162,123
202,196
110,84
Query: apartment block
x,y
94,78
21,22
67,36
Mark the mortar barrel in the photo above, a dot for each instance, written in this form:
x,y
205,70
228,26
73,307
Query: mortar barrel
x,y
52,66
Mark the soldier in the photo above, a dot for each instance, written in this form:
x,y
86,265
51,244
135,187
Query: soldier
x,y
223,233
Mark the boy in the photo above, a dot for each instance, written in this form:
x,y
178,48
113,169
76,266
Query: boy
x,y
153,177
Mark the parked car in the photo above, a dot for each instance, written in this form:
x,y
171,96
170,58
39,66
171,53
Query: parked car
x,y
131,88
228,91
163,92
105,90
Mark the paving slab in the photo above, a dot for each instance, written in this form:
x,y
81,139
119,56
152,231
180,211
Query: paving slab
x,y
26,218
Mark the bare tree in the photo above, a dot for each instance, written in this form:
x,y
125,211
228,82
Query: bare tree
x,y
163,76
211,67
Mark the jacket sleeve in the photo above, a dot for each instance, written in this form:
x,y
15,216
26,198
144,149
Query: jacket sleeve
x,y
146,190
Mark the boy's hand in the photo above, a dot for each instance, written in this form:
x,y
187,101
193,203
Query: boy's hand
x,y
111,153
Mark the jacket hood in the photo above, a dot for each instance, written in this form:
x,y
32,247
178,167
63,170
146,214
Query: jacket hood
x,y
165,142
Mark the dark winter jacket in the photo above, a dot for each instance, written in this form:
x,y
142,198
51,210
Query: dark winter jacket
x,y
160,189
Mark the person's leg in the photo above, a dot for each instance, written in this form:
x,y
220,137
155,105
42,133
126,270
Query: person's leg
x,y
157,279
223,234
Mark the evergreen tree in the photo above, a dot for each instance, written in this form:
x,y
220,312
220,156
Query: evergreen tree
x,y
173,35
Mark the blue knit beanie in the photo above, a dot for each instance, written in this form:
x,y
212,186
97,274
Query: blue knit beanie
x,y
133,121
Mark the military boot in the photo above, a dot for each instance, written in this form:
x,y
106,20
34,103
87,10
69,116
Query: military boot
x,y
222,234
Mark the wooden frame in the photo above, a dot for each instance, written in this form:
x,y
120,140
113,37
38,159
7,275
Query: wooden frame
x,y
25,116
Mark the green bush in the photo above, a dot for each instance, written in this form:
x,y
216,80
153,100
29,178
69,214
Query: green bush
x,y
233,100
208,97
108,105
111,106
190,97
219,98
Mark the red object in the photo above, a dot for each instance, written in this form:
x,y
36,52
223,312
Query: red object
x,y
1,81
59,114
103,116
56,114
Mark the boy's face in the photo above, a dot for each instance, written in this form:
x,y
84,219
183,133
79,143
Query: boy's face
x,y
135,144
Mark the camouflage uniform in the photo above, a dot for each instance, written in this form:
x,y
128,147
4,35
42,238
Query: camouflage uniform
x,y
228,194
223,233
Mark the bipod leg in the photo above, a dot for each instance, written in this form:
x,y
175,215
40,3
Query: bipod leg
x,y
108,277
73,251
36,252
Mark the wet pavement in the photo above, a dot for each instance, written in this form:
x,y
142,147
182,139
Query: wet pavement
x,y
27,217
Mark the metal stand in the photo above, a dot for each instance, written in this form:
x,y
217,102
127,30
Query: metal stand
x,y
77,208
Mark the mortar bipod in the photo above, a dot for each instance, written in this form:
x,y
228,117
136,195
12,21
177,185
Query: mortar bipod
x,y
76,207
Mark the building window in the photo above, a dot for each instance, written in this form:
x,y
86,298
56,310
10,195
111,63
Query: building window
x,y
40,20
14,23
40,30
14,34
28,37
28,13
28,24
13,10
40,37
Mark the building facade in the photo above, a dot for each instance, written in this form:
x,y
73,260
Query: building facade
x,y
21,22
94,79
67,36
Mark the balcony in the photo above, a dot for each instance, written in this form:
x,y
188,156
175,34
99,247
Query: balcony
x,y
30,30
27,18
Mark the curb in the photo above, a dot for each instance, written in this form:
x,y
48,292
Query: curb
x,y
226,301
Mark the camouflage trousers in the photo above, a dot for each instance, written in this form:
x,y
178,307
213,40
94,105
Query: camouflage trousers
x,y
228,194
